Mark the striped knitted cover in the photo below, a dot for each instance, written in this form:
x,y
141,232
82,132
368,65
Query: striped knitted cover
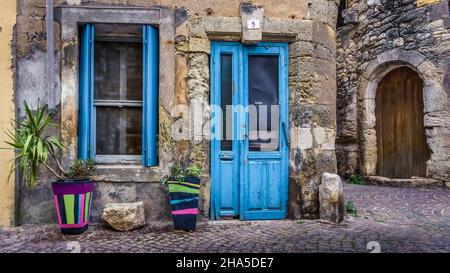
x,y
73,203
184,202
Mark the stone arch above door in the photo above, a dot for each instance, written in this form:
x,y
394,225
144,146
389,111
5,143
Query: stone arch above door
x,y
436,116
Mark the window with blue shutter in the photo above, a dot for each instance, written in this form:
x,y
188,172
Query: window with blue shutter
x,y
118,101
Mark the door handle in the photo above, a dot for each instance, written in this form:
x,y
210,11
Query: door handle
x,y
285,132
226,157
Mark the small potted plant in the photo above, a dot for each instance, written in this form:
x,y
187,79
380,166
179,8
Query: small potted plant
x,y
72,190
184,185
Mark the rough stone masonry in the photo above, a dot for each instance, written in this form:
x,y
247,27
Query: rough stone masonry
x,y
378,36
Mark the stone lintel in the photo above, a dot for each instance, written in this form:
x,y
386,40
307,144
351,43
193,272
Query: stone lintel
x,y
252,23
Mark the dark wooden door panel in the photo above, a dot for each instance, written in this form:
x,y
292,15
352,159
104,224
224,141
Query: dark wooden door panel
x,y
401,143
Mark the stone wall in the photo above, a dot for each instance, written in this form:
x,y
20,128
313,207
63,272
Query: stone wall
x,y
309,28
312,104
350,3
379,36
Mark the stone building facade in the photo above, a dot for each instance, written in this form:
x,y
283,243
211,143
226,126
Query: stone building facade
x,y
187,30
377,37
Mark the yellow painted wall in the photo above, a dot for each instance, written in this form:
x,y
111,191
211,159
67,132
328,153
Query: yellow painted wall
x,y
426,2
7,22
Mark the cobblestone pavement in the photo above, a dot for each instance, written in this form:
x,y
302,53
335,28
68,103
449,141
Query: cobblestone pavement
x,y
400,219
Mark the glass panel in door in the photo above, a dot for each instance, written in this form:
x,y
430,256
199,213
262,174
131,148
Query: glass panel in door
x,y
263,92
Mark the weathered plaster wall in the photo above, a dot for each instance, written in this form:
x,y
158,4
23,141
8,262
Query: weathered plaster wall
x,y
7,188
379,36
309,27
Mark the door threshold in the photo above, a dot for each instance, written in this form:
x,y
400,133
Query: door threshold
x,y
229,218
234,222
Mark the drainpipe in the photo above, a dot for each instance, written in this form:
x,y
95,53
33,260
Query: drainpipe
x,y
50,55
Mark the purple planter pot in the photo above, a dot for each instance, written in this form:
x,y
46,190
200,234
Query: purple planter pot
x,y
73,200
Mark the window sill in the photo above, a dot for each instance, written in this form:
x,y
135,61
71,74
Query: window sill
x,y
121,166
127,173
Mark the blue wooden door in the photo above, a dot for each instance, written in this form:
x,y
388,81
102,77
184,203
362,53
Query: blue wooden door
x,y
265,148
249,153
225,155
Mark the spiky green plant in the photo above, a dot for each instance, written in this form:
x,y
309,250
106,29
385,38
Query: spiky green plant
x,y
33,148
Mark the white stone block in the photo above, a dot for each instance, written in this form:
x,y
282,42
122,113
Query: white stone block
x,y
252,23
124,216
305,138
331,198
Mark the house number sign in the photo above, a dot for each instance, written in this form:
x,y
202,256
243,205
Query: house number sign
x,y
253,24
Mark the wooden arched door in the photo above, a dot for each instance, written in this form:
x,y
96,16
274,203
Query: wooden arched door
x,y
402,149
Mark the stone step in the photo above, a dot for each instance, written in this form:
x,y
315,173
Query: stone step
x,y
414,182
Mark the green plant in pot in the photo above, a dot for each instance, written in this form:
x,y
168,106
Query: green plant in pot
x,y
184,185
72,190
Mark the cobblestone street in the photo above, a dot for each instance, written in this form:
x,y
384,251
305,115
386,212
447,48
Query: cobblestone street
x,y
400,219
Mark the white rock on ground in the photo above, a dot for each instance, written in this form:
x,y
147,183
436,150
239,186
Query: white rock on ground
x,y
331,198
124,216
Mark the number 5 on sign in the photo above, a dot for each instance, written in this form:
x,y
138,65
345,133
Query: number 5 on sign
x,y
253,24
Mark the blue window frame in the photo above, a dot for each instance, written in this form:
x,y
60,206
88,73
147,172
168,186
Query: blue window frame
x,y
150,105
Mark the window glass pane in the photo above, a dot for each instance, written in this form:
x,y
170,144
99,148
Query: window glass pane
x,y
134,72
226,89
113,31
106,71
118,71
263,103
118,77
119,131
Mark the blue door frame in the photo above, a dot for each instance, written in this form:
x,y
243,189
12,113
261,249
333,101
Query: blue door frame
x,y
251,185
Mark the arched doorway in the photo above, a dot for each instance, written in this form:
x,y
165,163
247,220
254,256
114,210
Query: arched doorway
x,y
402,151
